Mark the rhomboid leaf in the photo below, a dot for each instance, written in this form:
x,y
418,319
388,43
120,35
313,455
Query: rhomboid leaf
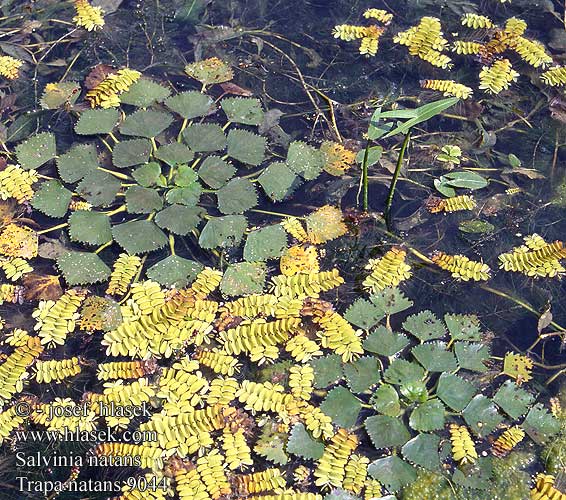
x,y
425,326
141,200
482,415
36,150
302,444
278,181
435,357
216,172
77,162
362,373
99,188
423,451
305,160
174,153
190,104
97,121
90,227
147,175
246,147
428,416
223,232
81,268
513,400
237,196
385,342
244,278
391,300
174,271
179,219
392,472
140,236
363,314
245,110
205,137
131,152
146,123
463,327
52,198
144,92
403,372
385,431
327,370
455,391
385,400
342,406
265,243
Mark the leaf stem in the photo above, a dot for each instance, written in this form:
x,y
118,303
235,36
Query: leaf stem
x,y
172,244
400,159
102,247
365,202
54,228
121,208
124,177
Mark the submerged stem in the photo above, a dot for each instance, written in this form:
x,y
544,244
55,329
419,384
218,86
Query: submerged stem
x,y
400,159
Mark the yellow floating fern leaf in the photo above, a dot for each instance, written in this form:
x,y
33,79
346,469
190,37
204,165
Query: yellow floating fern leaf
x,y
123,272
222,391
299,259
461,267
325,224
11,293
448,88
372,489
15,268
125,369
10,420
301,380
302,349
236,449
370,44
379,15
454,204
13,369
56,370
337,334
15,182
218,361
331,468
259,482
251,306
148,457
532,52
121,394
544,261
387,271
355,473
515,27
295,228
10,67
497,77
349,32
181,391
18,241
518,367
64,414
337,159
211,470
88,17
463,449
466,48
315,420
205,283
263,396
106,93
147,296
306,284
555,77
476,21
503,445
544,489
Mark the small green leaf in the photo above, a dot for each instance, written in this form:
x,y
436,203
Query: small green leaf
x,y
513,400
246,147
374,155
184,176
141,200
77,162
428,416
205,137
174,154
402,372
513,160
189,195
463,327
265,243
482,415
82,268
465,179
244,278
223,232
147,175
65,92
386,400
52,198
434,357
305,160
216,172
174,271
392,472
423,450
476,226
146,123
99,188
342,406
144,92
190,104
362,373
138,237
391,300
247,111
97,121
179,219
471,356
385,342
131,152
302,444
278,181
36,151
480,477
425,326
363,314
327,370
540,425
385,431
237,196
455,391
90,227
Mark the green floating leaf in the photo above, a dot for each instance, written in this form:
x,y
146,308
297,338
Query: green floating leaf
x,y
305,160
428,416
425,326
97,121
36,151
455,391
146,123
434,357
77,162
415,391
131,152
82,268
189,195
90,227
391,301
478,478
205,137
302,444
246,147
362,373
342,406
327,370
374,155
463,327
99,188
141,236
174,271
65,92
540,425
386,400
265,243
482,415
245,110
392,472
179,219
236,197
271,446
423,451
363,314
174,154
513,400
184,176
190,104
223,232
141,200
472,356
465,179
147,175
476,226
244,278
340,494
402,372
278,181
52,198
385,342
144,92
216,172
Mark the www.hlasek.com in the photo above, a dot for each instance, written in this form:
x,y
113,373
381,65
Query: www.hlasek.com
x,y
39,460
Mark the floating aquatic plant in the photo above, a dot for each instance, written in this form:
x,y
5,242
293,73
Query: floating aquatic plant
x,y
88,17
